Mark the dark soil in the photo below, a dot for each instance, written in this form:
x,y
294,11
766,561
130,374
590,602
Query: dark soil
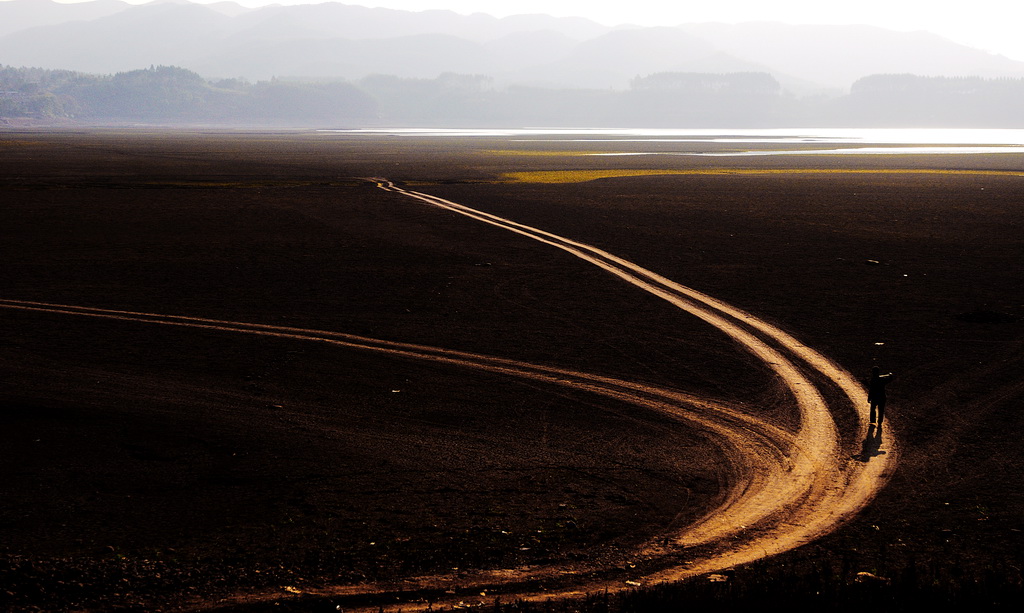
x,y
146,466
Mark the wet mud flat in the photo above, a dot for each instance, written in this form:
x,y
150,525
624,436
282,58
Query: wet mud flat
x,y
150,464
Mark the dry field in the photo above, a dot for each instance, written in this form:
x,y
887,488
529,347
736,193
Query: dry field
x,y
154,464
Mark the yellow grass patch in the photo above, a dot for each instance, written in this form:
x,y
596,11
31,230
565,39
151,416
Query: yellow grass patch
x,y
540,153
582,176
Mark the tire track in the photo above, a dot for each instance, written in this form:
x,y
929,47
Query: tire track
x,y
759,453
789,487
823,486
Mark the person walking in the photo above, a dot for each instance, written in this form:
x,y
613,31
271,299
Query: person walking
x,y
876,394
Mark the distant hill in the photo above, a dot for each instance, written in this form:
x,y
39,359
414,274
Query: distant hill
x,y
168,95
333,40
26,14
837,56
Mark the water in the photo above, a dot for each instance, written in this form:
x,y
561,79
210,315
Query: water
x,y
895,150
853,141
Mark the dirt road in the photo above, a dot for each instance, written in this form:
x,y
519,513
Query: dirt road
x,y
817,483
787,487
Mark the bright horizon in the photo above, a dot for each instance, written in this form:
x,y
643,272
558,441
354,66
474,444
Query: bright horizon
x,y
989,25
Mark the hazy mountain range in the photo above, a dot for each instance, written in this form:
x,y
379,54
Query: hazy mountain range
x,y
339,41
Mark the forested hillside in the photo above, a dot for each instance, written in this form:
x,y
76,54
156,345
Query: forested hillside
x,y
172,95
165,94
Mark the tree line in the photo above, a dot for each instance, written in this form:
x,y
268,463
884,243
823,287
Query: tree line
x,y
898,99
172,95
167,94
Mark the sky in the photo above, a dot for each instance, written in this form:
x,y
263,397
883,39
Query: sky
x,y
991,25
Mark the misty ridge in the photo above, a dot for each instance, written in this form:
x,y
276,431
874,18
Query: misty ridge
x,y
350,66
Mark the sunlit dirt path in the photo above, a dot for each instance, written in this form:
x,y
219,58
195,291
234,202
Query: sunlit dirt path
x,y
760,454
823,483
787,488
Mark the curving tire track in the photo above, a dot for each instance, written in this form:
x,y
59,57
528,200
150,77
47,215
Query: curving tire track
x,y
823,486
759,453
788,489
